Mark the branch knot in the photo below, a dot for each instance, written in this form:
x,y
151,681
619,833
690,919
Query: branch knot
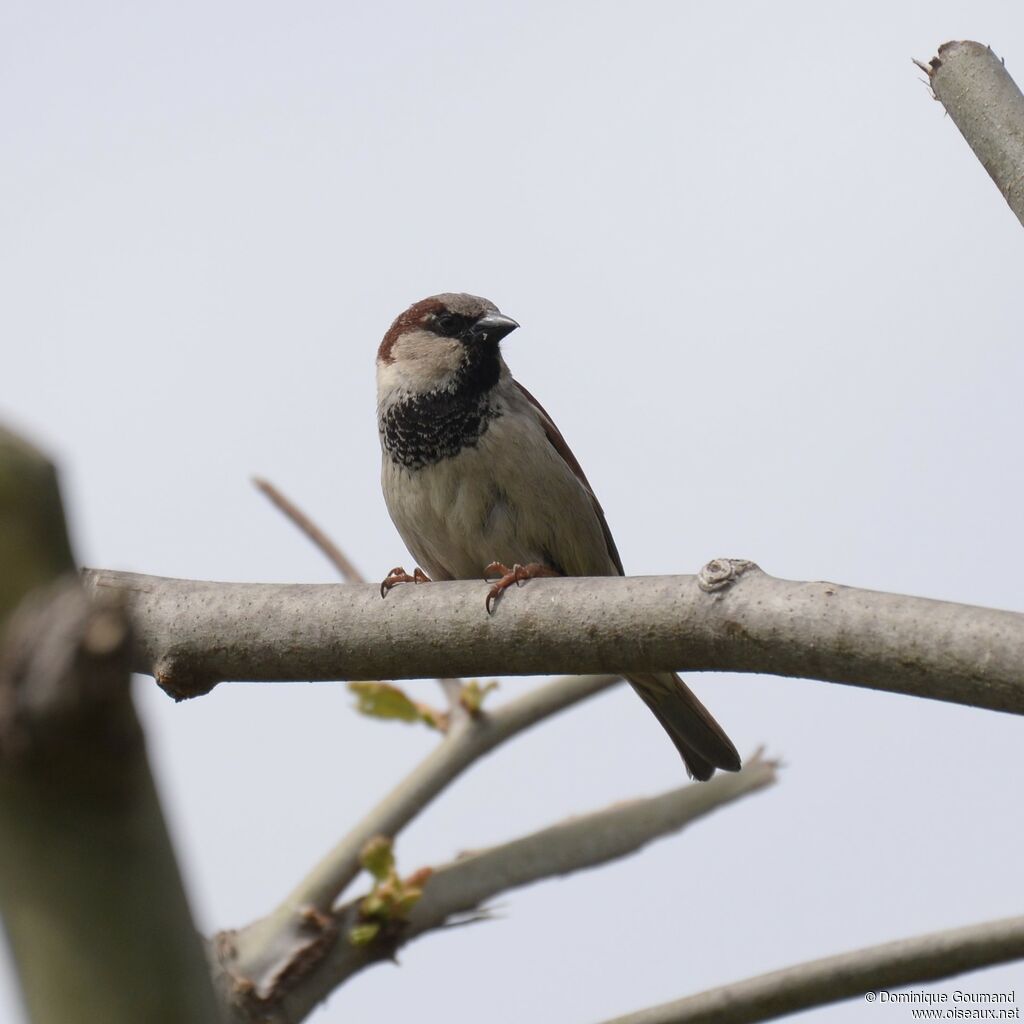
x,y
720,573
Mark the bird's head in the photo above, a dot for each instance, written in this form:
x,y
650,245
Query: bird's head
x,y
438,339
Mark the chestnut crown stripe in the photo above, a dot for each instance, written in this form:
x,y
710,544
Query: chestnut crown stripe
x,y
412,319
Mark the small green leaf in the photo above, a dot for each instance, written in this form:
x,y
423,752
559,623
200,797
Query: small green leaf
x,y
473,694
375,907
378,857
382,700
363,934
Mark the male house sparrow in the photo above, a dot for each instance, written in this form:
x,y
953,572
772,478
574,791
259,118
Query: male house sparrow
x,y
477,478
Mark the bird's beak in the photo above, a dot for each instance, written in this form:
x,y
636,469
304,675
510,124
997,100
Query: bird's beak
x,y
492,327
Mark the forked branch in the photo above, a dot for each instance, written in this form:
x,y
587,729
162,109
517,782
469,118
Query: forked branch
x,y
464,886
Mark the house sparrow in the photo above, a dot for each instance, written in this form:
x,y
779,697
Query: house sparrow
x,y
477,478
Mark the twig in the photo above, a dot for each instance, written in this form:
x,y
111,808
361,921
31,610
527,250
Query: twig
x,y
264,950
465,884
873,970
191,634
334,554
972,83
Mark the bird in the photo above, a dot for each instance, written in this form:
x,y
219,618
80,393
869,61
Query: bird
x,y
479,482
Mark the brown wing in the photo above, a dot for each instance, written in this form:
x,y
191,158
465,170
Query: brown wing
x,y
558,443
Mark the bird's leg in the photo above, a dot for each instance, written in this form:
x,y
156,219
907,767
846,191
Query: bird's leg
x,y
399,575
518,575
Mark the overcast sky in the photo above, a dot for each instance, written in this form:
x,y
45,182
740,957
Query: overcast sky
x,y
766,291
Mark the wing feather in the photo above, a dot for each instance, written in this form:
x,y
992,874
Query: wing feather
x,y
558,442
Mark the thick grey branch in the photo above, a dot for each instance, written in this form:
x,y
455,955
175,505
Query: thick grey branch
x,y
985,104
191,635
466,884
849,975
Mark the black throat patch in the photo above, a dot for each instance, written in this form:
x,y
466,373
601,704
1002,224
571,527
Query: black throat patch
x,y
421,430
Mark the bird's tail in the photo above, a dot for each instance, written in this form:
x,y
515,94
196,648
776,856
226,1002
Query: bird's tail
x,y
700,740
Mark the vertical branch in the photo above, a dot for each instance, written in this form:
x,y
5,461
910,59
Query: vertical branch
x,y
34,546
91,897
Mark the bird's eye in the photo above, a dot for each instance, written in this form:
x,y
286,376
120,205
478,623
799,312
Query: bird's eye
x,y
448,323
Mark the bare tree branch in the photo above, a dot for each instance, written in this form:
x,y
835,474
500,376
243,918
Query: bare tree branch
x,y
819,982
334,554
732,617
265,951
985,103
91,896
466,884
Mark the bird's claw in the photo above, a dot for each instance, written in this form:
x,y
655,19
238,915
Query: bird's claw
x,y
399,575
518,575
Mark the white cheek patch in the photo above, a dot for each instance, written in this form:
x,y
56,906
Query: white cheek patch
x,y
420,361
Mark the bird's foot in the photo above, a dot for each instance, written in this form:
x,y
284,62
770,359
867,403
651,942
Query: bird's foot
x,y
518,575
399,575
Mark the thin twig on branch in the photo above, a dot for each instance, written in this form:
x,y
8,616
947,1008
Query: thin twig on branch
x,y
467,883
874,970
334,554
733,617
972,83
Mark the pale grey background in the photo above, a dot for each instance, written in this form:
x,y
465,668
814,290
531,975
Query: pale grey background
x,y
768,293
